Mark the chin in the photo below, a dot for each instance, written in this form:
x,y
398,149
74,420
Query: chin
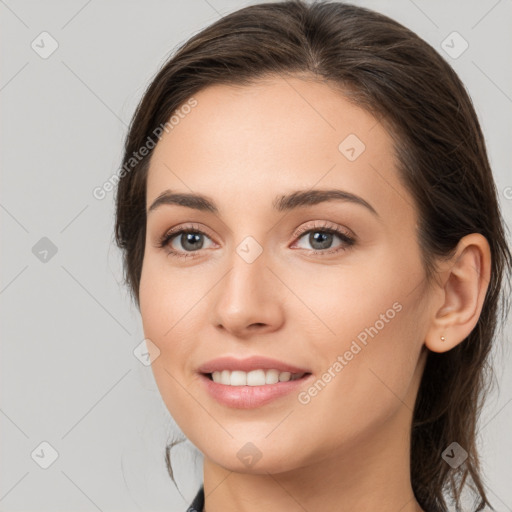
x,y
255,458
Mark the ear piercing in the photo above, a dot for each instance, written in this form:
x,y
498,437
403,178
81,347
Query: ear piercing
x,y
443,338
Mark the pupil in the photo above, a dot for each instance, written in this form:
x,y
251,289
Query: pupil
x,y
191,238
324,239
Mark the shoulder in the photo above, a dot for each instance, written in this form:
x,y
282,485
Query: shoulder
x,y
198,502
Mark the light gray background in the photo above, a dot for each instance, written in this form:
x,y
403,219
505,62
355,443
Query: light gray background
x,y
68,373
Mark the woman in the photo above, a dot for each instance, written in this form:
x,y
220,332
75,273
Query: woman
x,y
311,232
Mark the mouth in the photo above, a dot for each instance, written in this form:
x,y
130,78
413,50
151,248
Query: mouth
x,y
251,382
250,390
260,377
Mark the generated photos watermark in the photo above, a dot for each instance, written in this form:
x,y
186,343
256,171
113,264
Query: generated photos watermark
x,y
108,185
355,348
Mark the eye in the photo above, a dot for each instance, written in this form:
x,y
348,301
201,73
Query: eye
x,y
321,238
191,240
184,241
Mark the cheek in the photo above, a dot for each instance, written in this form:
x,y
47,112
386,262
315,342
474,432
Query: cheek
x,y
168,300
361,298
172,308
367,333
369,375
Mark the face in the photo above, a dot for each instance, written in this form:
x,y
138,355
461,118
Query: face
x,y
274,266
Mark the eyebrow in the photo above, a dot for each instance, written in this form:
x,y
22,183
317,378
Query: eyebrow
x,y
297,199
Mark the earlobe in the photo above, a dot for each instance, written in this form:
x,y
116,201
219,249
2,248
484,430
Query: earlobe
x,y
441,344
463,286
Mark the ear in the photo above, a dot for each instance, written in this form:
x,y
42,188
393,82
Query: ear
x,y
463,283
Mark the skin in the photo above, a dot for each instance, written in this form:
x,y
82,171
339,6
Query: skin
x,y
348,448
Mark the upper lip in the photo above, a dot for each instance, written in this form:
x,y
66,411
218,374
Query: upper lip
x,y
248,364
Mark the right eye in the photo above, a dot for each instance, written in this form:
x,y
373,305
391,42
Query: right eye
x,y
191,240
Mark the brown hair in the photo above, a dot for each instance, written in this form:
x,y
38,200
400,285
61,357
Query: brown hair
x,y
391,72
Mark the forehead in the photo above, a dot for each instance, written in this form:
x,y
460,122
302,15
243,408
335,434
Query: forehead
x,y
279,134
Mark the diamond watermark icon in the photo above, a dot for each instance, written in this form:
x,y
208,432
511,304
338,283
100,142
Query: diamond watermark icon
x,y
146,352
44,455
454,455
44,250
44,45
249,249
351,147
249,454
454,45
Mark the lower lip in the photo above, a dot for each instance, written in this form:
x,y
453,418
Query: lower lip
x,y
250,397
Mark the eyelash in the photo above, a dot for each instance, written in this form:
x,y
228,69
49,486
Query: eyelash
x,y
164,241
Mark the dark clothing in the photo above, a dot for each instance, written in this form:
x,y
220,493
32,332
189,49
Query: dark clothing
x,y
198,503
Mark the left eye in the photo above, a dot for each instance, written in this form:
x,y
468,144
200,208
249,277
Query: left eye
x,y
322,239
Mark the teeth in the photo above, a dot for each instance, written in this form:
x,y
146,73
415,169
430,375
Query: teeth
x,y
253,378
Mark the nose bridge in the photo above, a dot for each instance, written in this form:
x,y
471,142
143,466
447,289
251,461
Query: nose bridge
x,y
247,280
250,264
248,294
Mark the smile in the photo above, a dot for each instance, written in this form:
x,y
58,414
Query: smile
x,y
250,390
253,378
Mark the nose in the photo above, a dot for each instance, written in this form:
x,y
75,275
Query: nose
x,y
248,299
